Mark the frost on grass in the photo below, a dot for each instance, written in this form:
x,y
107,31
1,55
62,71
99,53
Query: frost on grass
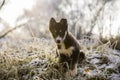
x,y
35,59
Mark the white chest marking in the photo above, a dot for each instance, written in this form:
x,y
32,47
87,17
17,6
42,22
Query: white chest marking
x,y
67,52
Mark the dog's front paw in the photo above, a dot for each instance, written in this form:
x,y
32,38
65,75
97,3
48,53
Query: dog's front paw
x,y
71,73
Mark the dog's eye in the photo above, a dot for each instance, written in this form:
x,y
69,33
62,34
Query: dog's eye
x,y
60,30
54,34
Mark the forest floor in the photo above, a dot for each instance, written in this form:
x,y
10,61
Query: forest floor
x,y
35,59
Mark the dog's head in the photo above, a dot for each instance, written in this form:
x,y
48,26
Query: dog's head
x,y
58,29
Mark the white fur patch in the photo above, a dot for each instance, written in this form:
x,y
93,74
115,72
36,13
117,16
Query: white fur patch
x,y
65,35
67,52
58,38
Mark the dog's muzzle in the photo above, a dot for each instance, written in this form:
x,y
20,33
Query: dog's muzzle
x,y
58,41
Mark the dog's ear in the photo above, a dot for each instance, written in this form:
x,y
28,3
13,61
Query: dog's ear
x,y
52,21
64,22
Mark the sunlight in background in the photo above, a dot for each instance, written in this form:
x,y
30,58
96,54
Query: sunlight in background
x,y
115,21
115,25
14,8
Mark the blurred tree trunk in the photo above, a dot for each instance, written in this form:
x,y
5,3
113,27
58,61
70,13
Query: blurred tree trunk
x,y
93,22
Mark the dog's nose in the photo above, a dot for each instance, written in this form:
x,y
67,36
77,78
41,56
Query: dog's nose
x,y
58,41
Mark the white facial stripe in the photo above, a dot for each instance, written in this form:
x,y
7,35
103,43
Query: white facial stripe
x,y
65,35
60,38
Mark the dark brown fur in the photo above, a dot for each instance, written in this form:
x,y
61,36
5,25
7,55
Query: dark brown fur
x,y
69,41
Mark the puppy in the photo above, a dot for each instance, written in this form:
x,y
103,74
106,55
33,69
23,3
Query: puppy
x,y
67,46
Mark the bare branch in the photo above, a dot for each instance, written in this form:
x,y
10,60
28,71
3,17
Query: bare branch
x,y
11,30
2,4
